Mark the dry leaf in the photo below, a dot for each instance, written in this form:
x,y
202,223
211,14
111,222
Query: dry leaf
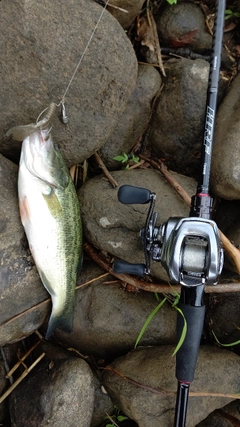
x,y
229,27
145,34
184,40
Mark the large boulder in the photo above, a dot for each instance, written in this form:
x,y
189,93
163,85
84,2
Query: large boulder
x,y
40,53
114,227
135,118
108,319
225,171
133,377
65,395
177,126
183,24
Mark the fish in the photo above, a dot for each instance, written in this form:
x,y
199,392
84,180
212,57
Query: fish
x,y
50,215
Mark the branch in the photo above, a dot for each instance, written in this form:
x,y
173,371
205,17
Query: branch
x,y
105,171
153,287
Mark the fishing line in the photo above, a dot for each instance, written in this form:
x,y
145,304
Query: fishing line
x,y
64,116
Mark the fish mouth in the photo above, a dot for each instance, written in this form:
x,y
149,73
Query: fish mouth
x,y
37,153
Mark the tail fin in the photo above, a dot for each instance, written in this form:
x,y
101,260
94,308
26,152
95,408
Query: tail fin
x,y
63,322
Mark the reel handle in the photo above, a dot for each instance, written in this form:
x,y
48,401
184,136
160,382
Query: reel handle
x,y
129,194
123,267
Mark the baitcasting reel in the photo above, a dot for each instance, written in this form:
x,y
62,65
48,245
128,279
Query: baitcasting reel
x,y
188,248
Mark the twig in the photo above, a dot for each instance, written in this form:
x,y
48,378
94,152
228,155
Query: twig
x,y
136,165
110,418
152,287
92,280
227,245
9,374
169,177
105,171
169,393
152,24
24,374
138,284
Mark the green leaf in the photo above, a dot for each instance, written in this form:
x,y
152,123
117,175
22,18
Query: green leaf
x,y
225,345
184,331
123,158
172,1
135,158
122,418
156,296
151,315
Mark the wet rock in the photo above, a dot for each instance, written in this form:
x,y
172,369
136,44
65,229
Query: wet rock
x,y
102,403
57,353
222,318
178,123
133,7
225,171
108,319
65,395
114,227
37,71
135,119
20,286
155,367
183,24
227,416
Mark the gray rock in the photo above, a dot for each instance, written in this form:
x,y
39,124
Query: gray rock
x,y
20,286
222,317
177,20
154,367
135,119
37,71
178,123
228,416
133,8
225,172
114,227
109,329
102,403
64,397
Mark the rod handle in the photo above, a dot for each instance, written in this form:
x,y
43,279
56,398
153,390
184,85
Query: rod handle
x,y
186,357
123,267
129,194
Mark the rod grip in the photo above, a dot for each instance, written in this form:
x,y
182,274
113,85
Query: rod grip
x,y
186,357
123,267
129,194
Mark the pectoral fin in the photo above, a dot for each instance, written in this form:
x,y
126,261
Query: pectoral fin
x,y
53,203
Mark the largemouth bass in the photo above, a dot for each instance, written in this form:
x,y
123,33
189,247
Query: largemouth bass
x,y
50,214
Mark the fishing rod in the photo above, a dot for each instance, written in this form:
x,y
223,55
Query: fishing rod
x,y
191,299
190,248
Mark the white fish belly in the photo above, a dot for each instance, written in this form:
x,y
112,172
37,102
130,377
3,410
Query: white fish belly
x,y
44,236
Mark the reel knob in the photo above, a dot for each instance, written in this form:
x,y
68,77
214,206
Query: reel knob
x,y
123,267
129,194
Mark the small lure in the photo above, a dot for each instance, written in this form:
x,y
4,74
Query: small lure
x,y
64,116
